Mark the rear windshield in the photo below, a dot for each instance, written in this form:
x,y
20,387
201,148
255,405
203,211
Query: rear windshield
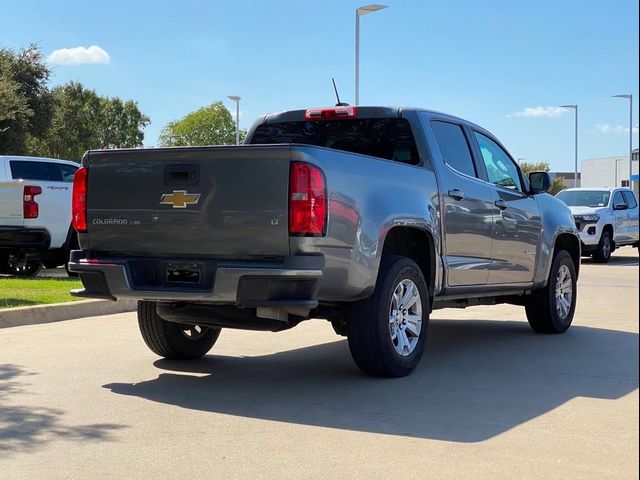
x,y
45,171
585,198
388,138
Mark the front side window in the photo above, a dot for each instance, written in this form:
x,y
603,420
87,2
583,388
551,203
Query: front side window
x,y
501,170
631,199
618,198
454,147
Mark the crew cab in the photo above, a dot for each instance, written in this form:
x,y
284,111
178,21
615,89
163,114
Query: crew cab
x,y
607,218
369,217
35,213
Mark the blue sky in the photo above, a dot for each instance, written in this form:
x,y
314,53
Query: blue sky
x,y
484,61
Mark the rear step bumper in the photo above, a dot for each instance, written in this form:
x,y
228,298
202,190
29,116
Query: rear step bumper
x,y
289,285
24,238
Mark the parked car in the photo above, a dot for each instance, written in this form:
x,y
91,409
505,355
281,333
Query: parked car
x,y
35,213
606,219
369,217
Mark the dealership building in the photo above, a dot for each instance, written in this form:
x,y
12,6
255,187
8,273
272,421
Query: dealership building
x,y
610,172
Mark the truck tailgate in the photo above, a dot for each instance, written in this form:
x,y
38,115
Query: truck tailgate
x,y
209,202
11,203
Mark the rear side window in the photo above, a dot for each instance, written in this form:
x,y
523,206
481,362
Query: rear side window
x,y
631,199
44,171
388,138
454,147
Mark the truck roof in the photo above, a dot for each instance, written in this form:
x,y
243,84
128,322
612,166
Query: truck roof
x,y
362,112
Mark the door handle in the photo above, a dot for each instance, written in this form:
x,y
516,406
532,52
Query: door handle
x,y
501,204
456,194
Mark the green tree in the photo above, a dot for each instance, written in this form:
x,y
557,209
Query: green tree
x,y
26,102
12,104
557,184
211,125
83,120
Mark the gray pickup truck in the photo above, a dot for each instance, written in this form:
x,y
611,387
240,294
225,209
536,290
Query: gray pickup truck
x,y
369,217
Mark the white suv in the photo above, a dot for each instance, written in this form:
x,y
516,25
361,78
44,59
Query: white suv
x,y
35,213
606,218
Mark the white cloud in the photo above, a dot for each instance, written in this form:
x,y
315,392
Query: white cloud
x,y
79,56
616,129
549,112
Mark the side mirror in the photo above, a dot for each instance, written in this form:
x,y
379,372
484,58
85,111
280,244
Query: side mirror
x,y
540,182
620,206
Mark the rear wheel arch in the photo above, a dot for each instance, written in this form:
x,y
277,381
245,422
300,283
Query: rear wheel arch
x,y
416,244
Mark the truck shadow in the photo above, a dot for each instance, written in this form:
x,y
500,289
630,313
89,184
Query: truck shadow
x,y
477,379
28,427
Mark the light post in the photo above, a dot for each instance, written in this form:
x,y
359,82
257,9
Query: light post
x,y
359,12
615,181
575,166
630,97
236,99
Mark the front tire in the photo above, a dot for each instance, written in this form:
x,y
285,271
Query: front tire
x,y
604,250
551,309
387,331
174,340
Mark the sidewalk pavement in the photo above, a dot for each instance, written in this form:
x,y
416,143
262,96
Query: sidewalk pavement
x,y
56,312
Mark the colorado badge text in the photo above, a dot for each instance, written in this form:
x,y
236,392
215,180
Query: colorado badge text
x,y
179,199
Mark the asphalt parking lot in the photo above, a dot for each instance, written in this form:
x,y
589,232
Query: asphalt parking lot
x,y
86,399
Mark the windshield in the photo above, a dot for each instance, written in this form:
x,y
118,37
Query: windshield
x,y
585,198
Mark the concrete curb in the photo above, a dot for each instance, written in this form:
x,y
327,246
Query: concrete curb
x,y
56,312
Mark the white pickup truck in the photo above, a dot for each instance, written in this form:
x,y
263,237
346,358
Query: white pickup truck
x,y
35,213
606,218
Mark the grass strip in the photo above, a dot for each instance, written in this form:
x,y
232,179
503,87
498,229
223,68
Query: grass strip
x,y
21,292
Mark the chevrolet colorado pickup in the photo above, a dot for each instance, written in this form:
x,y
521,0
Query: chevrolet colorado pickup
x,y
35,213
607,219
369,217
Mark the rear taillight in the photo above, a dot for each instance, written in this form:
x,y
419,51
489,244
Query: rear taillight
x,y
30,207
79,200
307,201
332,113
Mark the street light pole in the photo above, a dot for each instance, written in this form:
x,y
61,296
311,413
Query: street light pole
x,y
236,99
575,166
359,12
630,97
615,182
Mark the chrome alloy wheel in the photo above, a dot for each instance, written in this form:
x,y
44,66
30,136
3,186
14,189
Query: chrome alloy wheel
x,y
564,292
405,317
193,332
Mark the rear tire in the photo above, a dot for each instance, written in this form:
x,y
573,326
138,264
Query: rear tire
x,y
174,340
387,331
551,309
23,268
604,250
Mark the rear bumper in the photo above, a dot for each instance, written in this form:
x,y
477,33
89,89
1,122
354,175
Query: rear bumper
x,y
288,284
21,238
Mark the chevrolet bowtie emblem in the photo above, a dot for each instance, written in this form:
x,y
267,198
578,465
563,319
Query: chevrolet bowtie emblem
x,y
179,199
